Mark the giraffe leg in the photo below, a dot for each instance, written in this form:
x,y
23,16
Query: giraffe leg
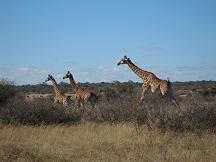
x,y
166,90
55,100
172,98
153,88
65,103
82,103
145,87
78,101
176,104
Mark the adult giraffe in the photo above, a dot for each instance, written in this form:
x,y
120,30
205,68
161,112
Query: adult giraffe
x,y
150,80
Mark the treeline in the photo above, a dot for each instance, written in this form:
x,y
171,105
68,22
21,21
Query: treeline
x,y
203,87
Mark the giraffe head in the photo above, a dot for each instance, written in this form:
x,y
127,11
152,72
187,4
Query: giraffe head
x,y
125,60
68,75
50,77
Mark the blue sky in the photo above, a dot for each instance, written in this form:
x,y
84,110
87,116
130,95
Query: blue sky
x,y
172,38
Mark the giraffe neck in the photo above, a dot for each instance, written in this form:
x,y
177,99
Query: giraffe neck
x,y
141,73
73,84
56,88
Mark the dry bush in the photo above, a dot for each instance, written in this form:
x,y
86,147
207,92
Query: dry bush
x,y
7,90
196,114
116,109
37,112
156,112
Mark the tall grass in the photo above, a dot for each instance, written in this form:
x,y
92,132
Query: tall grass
x,y
103,142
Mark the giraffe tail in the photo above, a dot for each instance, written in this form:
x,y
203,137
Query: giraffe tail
x,y
95,97
170,89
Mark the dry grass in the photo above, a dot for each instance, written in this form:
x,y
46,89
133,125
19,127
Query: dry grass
x,y
102,142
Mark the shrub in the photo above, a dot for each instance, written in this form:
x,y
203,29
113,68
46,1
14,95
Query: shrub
x,y
125,87
7,90
213,91
117,109
40,111
208,92
196,114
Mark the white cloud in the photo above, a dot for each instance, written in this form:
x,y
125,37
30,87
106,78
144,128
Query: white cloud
x,y
24,75
189,73
24,69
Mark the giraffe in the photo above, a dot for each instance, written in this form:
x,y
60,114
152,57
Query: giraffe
x,y
60,97
150,80
82,94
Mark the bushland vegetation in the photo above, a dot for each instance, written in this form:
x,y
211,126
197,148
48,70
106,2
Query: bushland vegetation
x,y
118,128
118,103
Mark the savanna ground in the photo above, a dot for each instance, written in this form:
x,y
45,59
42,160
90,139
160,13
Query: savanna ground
x,y
117,129
103,142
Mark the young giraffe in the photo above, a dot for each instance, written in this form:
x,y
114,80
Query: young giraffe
x,y
81,94
60,97
150,80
